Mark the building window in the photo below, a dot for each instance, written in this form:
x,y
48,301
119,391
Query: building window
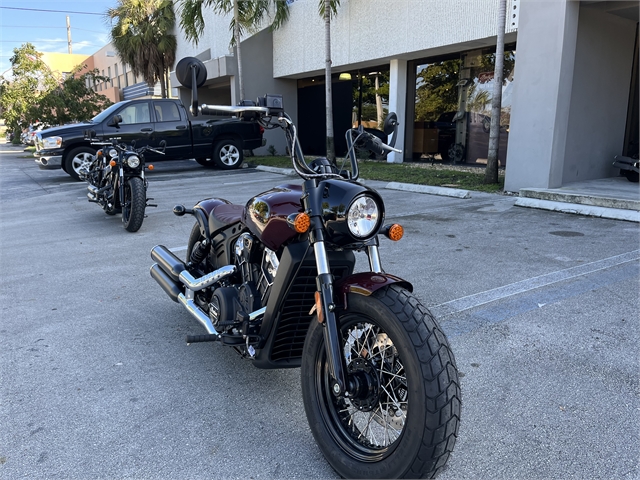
x,y
117,76
452,111
109,75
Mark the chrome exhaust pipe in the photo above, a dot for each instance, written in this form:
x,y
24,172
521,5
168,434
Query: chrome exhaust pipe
x,y
177,270
199,315
204,319
207,280
93,193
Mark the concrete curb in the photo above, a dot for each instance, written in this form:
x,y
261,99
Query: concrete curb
x,y
580,209
282,171
442,191
407,187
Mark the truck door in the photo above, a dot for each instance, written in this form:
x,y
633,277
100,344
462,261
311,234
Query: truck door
x,y
136,125
172,127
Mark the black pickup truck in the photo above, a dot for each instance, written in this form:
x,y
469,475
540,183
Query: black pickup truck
x,y
212,141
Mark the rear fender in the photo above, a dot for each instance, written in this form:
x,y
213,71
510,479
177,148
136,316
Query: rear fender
x,y
366,283
204,208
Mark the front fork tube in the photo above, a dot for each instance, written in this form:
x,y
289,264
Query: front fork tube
x,y
374,259
331,331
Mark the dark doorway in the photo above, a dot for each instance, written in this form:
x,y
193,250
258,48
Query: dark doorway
x,y
312,117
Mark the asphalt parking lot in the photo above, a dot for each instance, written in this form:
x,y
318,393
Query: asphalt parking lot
x,y
96,380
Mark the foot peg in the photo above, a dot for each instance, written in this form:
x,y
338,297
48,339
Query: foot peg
x,y
202,338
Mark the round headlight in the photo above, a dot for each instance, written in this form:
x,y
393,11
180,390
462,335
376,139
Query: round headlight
x,y
133,161
113,153
363,217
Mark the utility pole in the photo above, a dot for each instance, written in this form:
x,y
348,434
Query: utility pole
x,y
69,35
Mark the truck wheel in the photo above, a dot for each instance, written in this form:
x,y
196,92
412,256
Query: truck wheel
x,y
76,159
227,154
205,162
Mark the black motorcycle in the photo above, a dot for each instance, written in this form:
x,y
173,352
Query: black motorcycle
x,y
117,181
274,279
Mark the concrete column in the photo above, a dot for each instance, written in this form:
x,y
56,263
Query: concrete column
x,y
398,103
547,34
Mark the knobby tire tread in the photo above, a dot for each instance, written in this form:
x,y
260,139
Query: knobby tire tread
x,y
439,370
138,204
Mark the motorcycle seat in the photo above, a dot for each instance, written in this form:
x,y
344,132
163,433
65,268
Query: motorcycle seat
x,y
223,215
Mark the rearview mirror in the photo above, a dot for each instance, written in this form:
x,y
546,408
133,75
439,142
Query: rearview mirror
x,y
192,73
390,123
391,127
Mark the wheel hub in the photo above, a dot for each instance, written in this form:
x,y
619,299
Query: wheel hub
x,y
365,383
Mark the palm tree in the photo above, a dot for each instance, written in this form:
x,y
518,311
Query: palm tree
x,y
491,172
328,8
246,15
143,39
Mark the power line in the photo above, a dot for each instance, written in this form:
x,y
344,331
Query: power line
x,y
37,26
52,11
45,41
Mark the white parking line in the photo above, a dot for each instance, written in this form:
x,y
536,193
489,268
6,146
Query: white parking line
x,y
482,298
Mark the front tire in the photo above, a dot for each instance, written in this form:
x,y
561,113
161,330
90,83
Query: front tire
x,y
403,421
135,202
227,154
76,159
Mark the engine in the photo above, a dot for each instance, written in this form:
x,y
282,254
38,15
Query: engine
x,y
257,266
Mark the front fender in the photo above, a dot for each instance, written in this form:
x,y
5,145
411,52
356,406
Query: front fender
x,y
366,283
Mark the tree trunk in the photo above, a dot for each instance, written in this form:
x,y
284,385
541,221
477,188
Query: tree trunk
x,y
236,36
331,155
491,172
163,85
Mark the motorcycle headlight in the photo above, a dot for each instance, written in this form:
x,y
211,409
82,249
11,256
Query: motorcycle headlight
x,y
133,161
363,217
52,142
113,153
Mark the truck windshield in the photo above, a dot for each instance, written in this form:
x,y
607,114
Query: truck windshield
x,y
109,112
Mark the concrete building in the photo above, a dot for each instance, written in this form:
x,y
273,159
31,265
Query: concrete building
x,y
122,83
570,98
62,64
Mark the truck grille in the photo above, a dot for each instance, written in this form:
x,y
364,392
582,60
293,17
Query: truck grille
x,y
39,144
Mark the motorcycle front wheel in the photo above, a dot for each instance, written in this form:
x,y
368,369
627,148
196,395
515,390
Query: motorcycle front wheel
x,y
403,420
135,202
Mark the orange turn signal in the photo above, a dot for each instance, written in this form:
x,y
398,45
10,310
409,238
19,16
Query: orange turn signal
x,y
395,232
301,223
150,167
112,163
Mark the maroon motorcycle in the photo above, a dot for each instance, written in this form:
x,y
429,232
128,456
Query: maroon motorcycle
x,y
274,279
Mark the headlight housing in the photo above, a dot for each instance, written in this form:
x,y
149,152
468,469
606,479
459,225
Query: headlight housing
x,y
133,161
363,217
51,142
113,153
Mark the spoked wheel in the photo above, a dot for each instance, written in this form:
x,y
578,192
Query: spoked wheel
x,y
135,202
401,420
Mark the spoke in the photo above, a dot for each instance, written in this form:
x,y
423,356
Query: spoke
x,y
366,427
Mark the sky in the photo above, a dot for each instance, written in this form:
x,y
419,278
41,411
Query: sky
x,y
44,24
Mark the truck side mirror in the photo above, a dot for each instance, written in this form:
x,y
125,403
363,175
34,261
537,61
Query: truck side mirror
x,y
115,121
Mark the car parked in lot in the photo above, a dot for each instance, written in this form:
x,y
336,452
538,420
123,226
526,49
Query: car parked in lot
x,y
211,141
